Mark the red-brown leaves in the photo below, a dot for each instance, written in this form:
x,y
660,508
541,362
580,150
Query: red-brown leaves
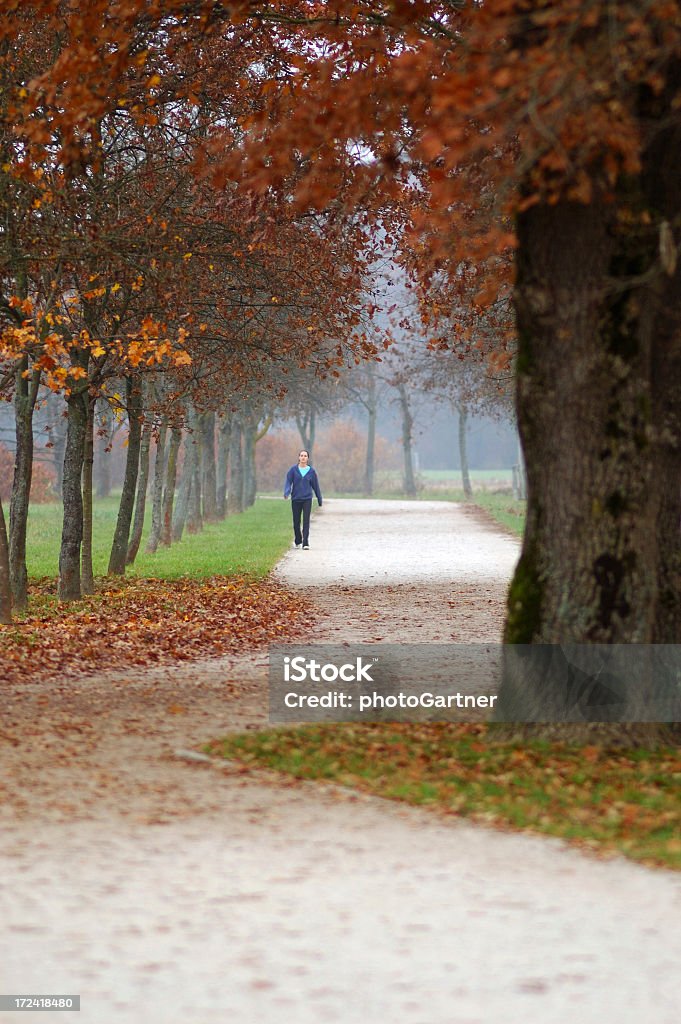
x,y
148,622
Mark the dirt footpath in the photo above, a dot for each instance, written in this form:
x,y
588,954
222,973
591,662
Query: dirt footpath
x,y
168,891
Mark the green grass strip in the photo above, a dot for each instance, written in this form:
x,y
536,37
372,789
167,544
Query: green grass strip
x,y
250,543
624,801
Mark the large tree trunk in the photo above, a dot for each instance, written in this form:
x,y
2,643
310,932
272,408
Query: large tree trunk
x,y
72,529
598,304
584,420
235,491
26,391
208,467
588,567
87,573
168,520
224,434
119,548
463,450
141,500
409,480
5,583
157,488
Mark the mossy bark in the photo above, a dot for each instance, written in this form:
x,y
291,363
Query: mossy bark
x,y
599,412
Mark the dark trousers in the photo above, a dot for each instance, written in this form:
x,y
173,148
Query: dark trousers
x,y
301,508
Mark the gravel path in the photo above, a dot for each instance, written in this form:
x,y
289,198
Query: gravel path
x,y
169,891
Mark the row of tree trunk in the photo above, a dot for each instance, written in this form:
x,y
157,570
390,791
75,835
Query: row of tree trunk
x,y
203,469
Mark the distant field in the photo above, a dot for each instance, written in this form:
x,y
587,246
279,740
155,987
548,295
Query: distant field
x,y
454,475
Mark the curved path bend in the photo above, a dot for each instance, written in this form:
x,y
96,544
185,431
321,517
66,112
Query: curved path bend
x,y
167,891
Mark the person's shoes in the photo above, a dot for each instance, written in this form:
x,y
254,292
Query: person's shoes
x,y
297,546
306,547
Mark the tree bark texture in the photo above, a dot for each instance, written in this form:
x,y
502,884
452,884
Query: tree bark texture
x,y
119,548
26,392
5,583
87,572
72,528
141,499
598,308
157,488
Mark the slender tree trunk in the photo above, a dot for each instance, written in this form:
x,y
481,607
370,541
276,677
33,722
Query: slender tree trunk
x,y
250,483
119,548
141,500
87,573
56,431
26,391
235,492
194,519
307,428
103,461
224,434
407,451
5,583
72,529
168,530
463,450
183,498
209,469
370,461
157,488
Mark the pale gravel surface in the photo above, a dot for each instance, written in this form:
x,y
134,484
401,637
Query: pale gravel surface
x,y
165,891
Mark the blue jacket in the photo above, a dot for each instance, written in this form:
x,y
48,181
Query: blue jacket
x,y
301,487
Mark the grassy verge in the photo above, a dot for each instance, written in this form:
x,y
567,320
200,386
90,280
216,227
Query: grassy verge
x,y
503,509
250,543
624,802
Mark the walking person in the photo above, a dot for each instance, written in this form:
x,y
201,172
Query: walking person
x,y
301,482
